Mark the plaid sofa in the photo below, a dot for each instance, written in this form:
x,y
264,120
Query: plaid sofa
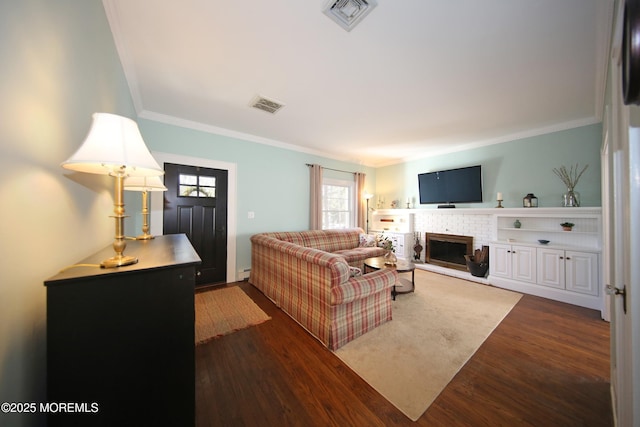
x,y
307,275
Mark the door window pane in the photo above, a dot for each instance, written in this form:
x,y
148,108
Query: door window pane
x,y
197,186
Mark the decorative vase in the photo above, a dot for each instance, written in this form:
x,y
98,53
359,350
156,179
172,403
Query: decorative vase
x,y
565,228
390,258
517,223
571,199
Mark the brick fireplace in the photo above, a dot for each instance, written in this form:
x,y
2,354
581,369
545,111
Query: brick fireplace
x,y
476,223
448,250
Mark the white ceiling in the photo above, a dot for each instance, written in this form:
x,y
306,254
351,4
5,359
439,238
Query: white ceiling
x,y
415,78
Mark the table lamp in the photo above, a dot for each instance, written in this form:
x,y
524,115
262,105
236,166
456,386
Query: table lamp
x,y
114,146
144,184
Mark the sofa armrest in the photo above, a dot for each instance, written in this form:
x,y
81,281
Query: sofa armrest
x,y
363,286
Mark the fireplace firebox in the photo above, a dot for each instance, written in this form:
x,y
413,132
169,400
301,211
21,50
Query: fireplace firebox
x,y
448,250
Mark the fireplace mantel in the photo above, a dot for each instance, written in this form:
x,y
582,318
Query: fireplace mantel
x,y
594,210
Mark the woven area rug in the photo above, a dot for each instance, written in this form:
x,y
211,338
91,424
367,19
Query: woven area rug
x,y
434,332
223,311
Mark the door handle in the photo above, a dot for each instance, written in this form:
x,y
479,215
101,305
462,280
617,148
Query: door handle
x,y
613,291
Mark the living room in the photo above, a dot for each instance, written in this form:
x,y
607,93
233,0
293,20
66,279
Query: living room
x,y
62,65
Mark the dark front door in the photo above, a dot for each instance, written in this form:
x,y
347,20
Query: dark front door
x,y
196,205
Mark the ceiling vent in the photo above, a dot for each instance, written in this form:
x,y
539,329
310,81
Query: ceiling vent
x,y
348,13
264,104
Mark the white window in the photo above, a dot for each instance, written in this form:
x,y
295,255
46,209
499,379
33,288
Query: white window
x,y
338,204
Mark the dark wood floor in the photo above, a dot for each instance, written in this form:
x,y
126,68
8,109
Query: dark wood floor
x,y
546,364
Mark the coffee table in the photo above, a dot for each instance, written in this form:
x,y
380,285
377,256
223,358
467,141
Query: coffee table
x,y
403,285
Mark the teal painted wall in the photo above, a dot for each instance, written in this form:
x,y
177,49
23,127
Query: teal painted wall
x,y
514,168
272,182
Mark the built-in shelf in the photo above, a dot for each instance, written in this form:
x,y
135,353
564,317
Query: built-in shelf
x,y
548,245
542,230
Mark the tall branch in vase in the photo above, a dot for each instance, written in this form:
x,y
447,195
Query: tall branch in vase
x,y
570,178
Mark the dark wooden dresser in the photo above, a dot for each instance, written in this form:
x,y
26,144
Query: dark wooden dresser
x,y
120,341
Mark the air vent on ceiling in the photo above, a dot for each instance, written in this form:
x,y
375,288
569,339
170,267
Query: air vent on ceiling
x,y
347,13
264,104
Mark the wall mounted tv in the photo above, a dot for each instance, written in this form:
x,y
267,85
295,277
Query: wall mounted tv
x,y
462,185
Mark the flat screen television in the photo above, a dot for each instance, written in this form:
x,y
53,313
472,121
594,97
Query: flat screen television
x,y
462,185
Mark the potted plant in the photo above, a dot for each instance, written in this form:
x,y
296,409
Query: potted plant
x,y
567,226
390,257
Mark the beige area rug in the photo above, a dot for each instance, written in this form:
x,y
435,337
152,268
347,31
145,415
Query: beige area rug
x,y
434,332
223,311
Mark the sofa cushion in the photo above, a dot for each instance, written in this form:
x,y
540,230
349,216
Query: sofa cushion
x,y
360,254
368,240
332,240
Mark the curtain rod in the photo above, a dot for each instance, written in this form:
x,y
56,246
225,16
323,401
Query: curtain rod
x,y
336,170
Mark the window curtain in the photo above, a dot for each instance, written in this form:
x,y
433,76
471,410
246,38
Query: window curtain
x,y
315,205
361,207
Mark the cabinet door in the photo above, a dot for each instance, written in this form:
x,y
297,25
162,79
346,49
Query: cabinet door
x,y
401,248
551,267
500,260
582,272
398,244
523,265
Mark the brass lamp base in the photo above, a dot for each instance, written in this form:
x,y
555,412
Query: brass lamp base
x,y
119,243
118,261
145,237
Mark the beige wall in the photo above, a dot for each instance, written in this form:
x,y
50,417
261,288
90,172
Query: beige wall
x,y
59,65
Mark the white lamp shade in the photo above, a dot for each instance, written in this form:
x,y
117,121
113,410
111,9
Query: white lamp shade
x,y
144,183
113,142
368,196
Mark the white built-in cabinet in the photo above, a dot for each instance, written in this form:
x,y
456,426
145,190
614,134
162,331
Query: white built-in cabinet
x,y
565,269
402,243
571,270
398,227
513,262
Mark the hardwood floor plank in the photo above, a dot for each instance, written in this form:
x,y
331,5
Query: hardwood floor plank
x,y
546,364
